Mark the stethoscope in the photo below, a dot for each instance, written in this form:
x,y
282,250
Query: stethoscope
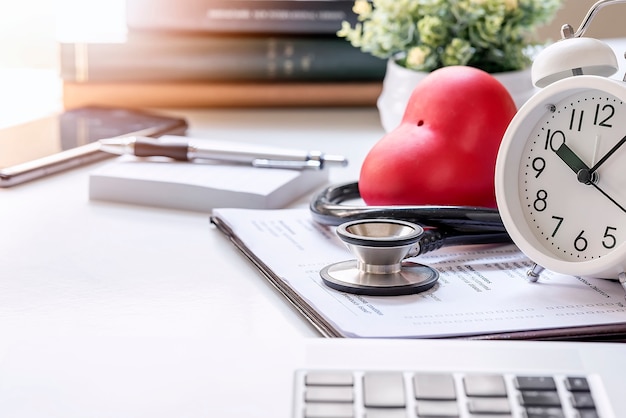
x,y
382,237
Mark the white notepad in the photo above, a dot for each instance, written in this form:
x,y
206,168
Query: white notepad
x,y
200,186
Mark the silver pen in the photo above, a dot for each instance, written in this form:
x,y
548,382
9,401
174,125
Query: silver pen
x,y
231,152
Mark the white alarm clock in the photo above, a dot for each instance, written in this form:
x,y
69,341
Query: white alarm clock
x,y
561,168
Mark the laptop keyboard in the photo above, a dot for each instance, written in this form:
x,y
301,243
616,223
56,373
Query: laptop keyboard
x,y
377,394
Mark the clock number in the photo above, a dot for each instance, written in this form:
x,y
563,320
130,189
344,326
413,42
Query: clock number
x,y
558,224
580,119
606,108
551,137
540,204
538,165
609,240
580,243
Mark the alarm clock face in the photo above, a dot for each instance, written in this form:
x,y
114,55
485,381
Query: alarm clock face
x,y
573,180
566,164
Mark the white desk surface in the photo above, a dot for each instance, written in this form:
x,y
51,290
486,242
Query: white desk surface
x,y
75,267
72,267
111,310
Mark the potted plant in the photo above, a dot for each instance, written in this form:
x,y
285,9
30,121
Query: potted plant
x,y
419,36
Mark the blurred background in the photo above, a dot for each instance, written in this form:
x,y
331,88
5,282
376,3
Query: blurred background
x,y
29,29
30,32
29,51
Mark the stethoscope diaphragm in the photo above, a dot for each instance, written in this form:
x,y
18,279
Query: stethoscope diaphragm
x,y
380,247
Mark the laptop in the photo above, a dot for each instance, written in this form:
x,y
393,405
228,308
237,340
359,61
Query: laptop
x,y
221,377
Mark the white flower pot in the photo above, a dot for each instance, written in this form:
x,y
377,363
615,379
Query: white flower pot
x,y
399,83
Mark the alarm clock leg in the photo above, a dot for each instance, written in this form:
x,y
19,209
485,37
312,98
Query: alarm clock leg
x,y
534,272
622,279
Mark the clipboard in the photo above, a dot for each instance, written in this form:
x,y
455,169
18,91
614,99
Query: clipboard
x,y
590,309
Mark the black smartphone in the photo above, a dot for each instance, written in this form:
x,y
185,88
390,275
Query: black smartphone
x,y
69,139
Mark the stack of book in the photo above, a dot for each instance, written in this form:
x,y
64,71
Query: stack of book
x,y
224,53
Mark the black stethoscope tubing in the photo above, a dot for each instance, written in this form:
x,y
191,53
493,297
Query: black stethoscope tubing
x,y
444,225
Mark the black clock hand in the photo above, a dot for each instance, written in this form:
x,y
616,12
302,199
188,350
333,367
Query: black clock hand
x,y
609,197
572,160
607,155
583,173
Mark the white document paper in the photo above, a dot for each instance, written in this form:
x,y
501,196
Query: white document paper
x,y
482,290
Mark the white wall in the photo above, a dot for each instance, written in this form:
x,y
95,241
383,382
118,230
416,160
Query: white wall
x,y
29,28
610,22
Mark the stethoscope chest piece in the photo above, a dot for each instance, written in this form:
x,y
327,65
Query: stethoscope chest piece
x,y
380,247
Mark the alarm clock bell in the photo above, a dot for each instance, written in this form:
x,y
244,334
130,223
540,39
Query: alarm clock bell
x,y
575,55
